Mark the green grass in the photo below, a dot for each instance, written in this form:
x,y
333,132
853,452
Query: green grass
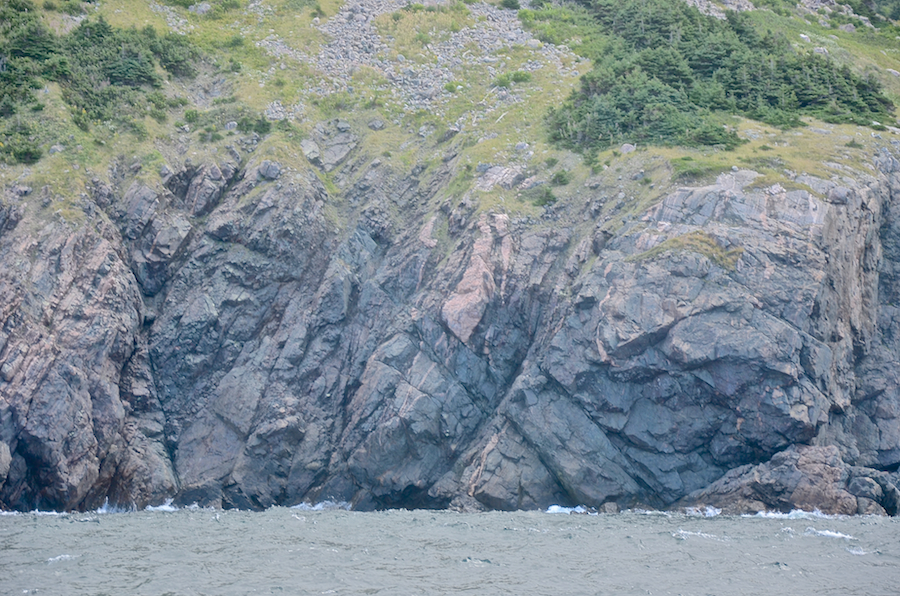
x,y
698,242
688,169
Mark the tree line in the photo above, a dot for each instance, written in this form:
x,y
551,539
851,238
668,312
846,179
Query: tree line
x,y
668,74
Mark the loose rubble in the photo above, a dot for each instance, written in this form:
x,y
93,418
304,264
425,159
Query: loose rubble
x,y
355,41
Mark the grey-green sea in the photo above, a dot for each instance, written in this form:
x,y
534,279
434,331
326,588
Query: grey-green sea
x,y
329,550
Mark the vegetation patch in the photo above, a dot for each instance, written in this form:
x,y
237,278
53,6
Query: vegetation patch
x,y
666,74
699,242
687,169
105,74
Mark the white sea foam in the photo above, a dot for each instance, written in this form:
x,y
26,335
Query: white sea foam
x,y
62,558
651,512
855,550
685,534
107,508
828,534
565,510
795,514
167,506
323,506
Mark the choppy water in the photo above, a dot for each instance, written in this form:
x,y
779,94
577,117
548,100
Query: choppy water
x,y
301,551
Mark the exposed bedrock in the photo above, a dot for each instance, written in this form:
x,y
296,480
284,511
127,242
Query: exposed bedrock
x,y
244,338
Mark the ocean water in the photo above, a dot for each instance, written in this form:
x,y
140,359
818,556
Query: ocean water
x,y
329,550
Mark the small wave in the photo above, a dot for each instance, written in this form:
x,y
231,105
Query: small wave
x,y
107,508
39,513
323,506
855,550
707,511
650,512
62,558
795,514
685,534
568,510
828,534
166,506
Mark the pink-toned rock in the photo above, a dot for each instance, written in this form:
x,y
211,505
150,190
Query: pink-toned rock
x,y
425,235
800,477
463,310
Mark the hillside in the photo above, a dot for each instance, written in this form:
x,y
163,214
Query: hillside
x,y
449,255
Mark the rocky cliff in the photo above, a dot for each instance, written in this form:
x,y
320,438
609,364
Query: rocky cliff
x,y
377,298
228,336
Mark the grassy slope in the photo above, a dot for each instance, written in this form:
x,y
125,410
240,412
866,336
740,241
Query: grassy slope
x,y
261,80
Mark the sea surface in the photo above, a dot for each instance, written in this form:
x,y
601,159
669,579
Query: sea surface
x,y
329,550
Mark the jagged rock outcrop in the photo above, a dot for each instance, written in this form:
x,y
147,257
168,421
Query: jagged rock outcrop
x,y
219,336
803,477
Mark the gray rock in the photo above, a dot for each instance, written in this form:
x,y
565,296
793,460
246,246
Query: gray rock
x,y
268,170
244,344
868,488
376,124
5,460
201,8
311,151
626,148
337,148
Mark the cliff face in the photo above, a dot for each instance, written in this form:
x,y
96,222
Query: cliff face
x,y
239,335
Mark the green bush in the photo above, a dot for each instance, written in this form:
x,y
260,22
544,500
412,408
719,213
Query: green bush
x,y
17,144
544,196
510,4
561,178
72,7
105,74
258,125
520,76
